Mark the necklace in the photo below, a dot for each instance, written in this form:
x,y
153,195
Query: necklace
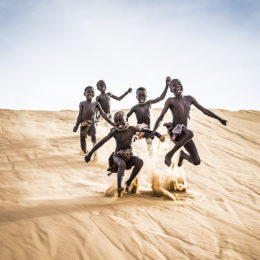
x,y
123,129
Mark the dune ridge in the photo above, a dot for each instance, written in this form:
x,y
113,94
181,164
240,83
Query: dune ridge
x,y
54,206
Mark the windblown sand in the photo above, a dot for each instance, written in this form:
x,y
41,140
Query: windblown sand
x,y
55,206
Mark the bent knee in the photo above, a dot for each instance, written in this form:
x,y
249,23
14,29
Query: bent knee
x,y
197,161
140,163
190,134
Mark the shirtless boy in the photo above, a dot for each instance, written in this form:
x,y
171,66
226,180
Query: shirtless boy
x,y
142,110
87,110
104,98
180,107
123,157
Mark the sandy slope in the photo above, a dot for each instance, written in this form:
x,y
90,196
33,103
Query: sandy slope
x,y
53,204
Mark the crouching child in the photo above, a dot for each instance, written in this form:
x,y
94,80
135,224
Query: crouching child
x,y
122,157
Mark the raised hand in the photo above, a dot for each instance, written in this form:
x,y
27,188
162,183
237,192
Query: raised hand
x,y
129,90
168,80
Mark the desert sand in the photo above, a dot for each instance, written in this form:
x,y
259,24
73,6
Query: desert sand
x,y
55,206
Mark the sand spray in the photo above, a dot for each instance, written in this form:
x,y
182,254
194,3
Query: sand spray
x,y
173,179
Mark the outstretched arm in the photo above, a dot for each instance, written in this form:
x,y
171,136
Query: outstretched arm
x,y
97,112
168,81
79,119
153,101
141,129
146,130
98,145
121,97
160,118
104,115
207,112
129,113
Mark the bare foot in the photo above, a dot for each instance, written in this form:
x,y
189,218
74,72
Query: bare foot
x,y
181,157
119,191
127,188
168,159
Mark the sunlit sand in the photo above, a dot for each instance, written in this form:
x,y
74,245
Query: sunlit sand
x,y
55,206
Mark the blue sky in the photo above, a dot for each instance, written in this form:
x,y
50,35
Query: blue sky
x,y
51,50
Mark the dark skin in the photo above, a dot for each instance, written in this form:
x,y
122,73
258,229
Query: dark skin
x,y
123,138
142,109
87,110
180,107
104,98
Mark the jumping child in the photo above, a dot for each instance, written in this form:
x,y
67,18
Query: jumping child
x,y
123,156
180,107
142,111
104,98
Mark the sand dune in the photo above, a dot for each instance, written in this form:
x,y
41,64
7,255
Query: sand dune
x,y
55,206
